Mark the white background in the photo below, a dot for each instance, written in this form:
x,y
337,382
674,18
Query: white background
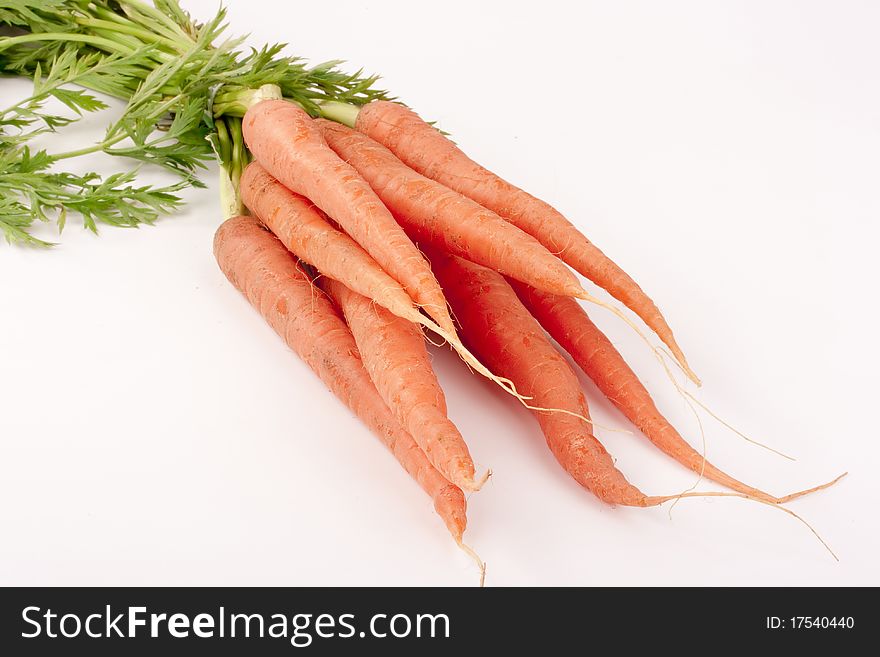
x,y
153,430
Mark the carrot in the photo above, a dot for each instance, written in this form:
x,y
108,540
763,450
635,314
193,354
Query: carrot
x,y
434,214
568,324
285,140
305,231
266,273
504,334
426,150
496,326
394,354
308,234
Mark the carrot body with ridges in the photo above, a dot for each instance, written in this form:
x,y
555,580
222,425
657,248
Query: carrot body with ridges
x,y
268,275
496,325
286,141
425,149
306,232
394,354
567,322
435,214
500,329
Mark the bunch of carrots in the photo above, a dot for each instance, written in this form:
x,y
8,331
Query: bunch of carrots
x,y
359,231
363,236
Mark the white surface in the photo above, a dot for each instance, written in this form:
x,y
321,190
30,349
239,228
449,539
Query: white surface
x,y
153,430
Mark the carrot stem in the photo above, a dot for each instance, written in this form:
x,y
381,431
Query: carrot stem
x,y
239,102
344,113
98,42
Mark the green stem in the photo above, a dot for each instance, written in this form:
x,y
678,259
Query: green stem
x,y
236,103
118,37
111,16
101,43
344,113
228,109
223,143
148,24
148,11
95,148
128,28
237,150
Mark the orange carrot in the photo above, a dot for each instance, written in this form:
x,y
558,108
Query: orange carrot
x,y
426,150
568,324
505,335
286,141
497,327
266,273
434,214
394,354
307,233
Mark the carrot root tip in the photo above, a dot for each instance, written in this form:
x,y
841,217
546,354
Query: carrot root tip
x,y
697,381
657,501
678,357
464,547
815,489
473,485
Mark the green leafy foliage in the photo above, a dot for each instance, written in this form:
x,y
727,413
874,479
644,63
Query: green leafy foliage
x,y
34,15
30,195
32,192
186,86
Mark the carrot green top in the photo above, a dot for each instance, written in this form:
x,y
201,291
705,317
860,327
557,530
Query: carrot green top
x,y
186,85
